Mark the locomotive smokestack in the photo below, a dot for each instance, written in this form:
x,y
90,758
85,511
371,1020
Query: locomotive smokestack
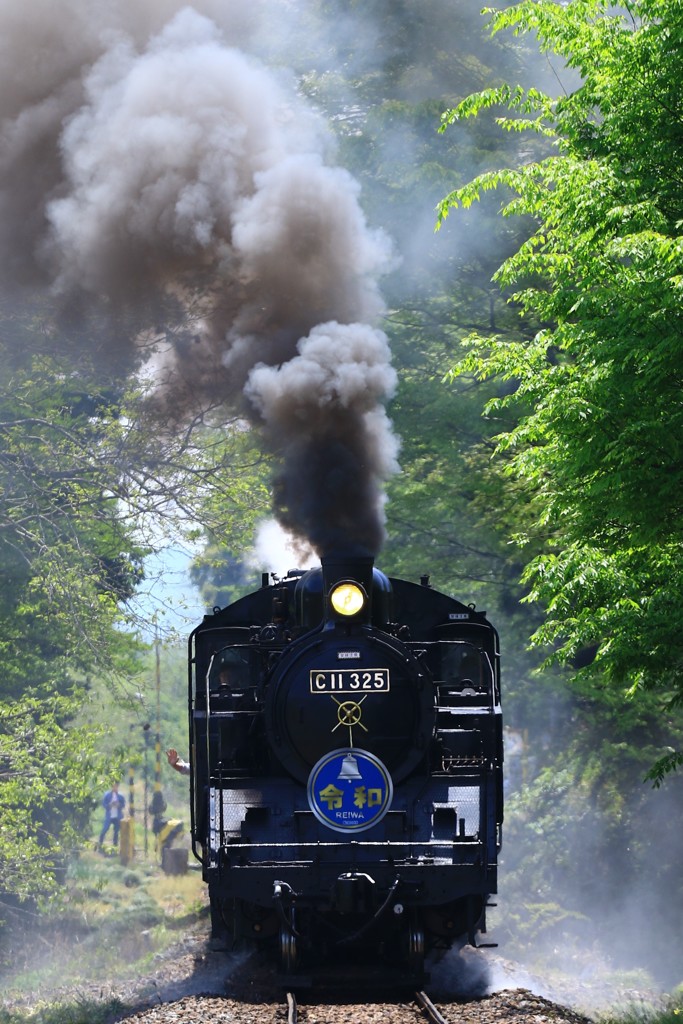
x,y
339,569
347,567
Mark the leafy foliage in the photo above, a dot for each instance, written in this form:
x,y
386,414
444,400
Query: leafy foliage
x,y
67,560
45,773
579,859
597,390
88,484
91,481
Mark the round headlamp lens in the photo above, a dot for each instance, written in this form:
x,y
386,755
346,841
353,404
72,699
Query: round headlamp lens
x,y
347,599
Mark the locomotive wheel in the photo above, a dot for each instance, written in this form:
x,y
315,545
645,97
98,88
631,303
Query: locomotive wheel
x,y
289,956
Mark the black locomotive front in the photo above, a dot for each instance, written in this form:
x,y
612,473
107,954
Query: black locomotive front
x,y
346,767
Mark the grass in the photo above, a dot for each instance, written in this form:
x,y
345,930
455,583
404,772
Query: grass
x,y
112,922
671,1014
85,1011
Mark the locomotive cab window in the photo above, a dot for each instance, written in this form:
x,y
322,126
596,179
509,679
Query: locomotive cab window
x,y
229,671
462,669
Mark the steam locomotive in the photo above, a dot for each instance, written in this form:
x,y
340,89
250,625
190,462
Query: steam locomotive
x,y
346,781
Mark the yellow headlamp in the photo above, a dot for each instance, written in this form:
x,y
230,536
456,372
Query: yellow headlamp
x,y
347,599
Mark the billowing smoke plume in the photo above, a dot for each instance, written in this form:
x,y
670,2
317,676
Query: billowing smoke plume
x,y
326,403
150,163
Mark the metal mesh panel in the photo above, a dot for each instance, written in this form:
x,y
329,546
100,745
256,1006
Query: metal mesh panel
x,y
235,802
466,800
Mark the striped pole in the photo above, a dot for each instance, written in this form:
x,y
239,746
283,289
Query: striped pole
x,y
131,791
158,805
145,802
127,842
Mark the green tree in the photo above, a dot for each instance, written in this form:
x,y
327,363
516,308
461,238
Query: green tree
x,y
597,392
90,480
69,562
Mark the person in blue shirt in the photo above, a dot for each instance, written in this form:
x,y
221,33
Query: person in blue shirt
x,y
113,803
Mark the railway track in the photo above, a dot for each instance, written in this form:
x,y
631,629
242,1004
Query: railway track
x,y
256,1005
214,988
429,1010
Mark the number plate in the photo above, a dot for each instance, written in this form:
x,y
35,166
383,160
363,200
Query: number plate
x,y
350,680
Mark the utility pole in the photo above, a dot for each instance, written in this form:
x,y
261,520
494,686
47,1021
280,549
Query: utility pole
x,y
158,805
145,732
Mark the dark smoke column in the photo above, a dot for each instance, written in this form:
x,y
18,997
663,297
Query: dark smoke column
x,y
337,445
